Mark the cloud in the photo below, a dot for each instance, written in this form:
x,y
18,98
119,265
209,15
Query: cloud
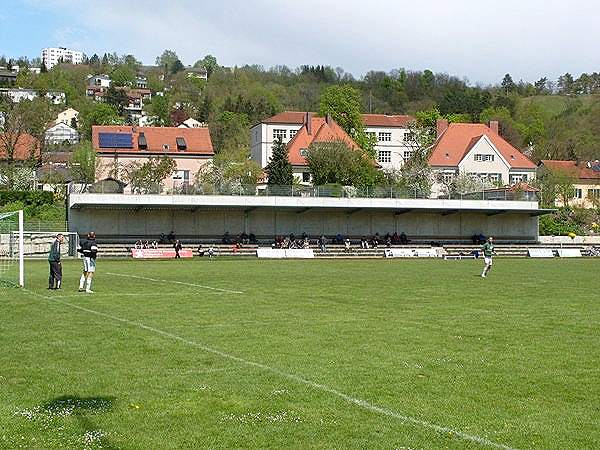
x,y
469,38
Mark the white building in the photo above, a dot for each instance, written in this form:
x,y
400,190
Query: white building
x,y
101,80
67,116
61,134
479,151
390,132
51,56
192,123
17,95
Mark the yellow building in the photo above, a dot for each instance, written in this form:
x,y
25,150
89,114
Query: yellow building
x,y
586,192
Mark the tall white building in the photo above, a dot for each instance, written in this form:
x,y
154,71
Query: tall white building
x,y
390,132
53,55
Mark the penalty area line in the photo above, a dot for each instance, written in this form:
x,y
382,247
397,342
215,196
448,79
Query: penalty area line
x,y
364,404
175,282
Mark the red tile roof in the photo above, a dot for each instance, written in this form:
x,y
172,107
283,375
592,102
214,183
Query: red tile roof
x,y
322,130
581,171
454,144
23,148
197,139
370,120
387,121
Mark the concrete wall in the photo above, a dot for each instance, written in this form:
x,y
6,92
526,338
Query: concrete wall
x,y
271,222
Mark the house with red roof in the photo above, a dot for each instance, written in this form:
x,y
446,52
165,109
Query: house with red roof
x,y
118,146
24,147
479,151
586,175
390,133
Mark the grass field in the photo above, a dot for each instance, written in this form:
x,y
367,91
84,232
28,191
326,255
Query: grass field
x,y
304,354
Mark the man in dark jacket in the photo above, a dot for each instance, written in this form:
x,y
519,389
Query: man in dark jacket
x,y
89,249
55,279
178,247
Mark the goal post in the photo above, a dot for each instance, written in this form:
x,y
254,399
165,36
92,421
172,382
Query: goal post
x,y
16,244
12,248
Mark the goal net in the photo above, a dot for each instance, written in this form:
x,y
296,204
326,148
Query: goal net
x,y
12,267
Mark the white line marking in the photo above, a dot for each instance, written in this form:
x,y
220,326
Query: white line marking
x,y
173,281
100,294
318,386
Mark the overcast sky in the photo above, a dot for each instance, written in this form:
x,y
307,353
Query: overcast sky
x,y
473,39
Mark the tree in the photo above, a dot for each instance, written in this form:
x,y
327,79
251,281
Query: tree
x,y
147,177
555,184
508,85
97,114
228,170
335,163
168,60
541,86
343,104
279,169
177,66
209,62
566,84
43,68
416,173
123,76
83,164
229,131
159,108
117,98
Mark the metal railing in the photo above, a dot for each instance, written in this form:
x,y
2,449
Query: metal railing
x,y
327,191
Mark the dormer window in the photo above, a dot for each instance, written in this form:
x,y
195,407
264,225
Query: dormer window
x,y
181,144
142,143
166,147
304,152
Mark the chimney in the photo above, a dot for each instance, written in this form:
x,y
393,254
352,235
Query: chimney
x,y
495,126
328,119
441,126
308,123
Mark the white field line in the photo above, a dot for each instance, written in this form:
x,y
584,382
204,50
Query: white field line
x,y
364,404
101,294
175,282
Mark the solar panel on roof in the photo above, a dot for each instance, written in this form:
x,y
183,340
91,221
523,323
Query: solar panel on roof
x,y
115,140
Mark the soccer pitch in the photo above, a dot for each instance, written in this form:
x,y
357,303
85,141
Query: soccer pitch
x,y
389,354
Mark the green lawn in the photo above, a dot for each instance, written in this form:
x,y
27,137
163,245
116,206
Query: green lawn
x,y
388,354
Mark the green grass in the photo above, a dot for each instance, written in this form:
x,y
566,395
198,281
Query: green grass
x,y
312,354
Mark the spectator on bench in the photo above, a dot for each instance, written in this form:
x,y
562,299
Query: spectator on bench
x,y
322,243
252,238
395,238
172,237
403,238
347,245
364,243
226,238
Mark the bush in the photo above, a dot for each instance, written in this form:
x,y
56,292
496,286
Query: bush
x,y
563,222
27,198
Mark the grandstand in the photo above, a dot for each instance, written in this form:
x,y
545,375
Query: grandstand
x,y
123,219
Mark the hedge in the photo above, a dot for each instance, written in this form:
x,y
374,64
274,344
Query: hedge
x,y
28,198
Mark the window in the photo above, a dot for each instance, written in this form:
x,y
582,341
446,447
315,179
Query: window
x,y
447,177
517,178
495,177
371,135
181,144
408,154
306,177
484,158
279,133
293,133
384,156
409,137
578,193
384,136
594,193
183,175
304,152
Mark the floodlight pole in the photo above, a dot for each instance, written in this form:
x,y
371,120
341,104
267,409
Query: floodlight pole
x,y
21,251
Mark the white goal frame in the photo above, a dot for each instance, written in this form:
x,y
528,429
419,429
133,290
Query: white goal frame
x,y
21,242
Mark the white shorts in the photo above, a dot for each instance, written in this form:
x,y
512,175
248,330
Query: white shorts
x,y
89,264
487,260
